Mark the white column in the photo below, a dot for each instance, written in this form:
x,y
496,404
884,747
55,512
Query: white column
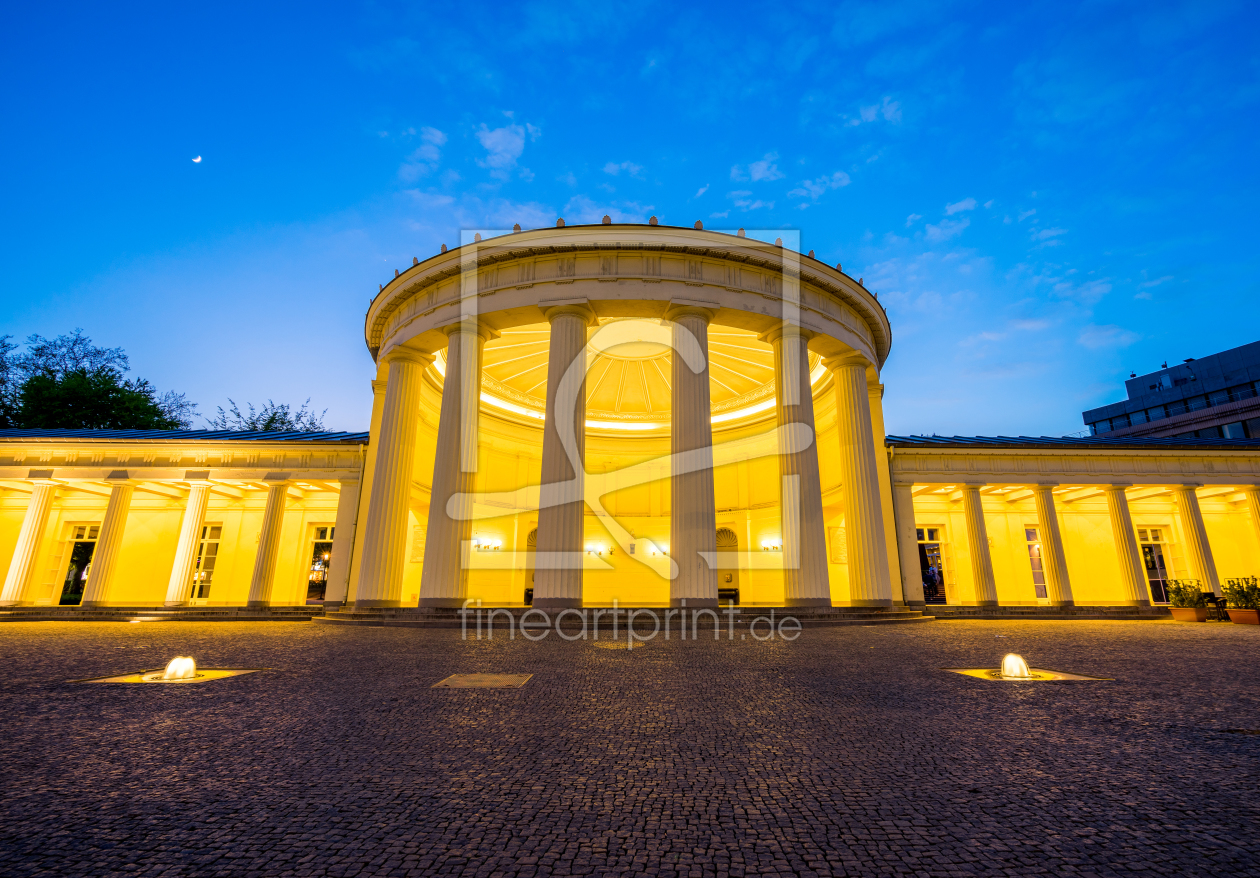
x,y
444,578
870,583
908,544
385,536
561,511
693,515
1198,550
978,546
22,567
1127,552
343,542
805,579
1252,493
180,585
268,546
108,545
1053,558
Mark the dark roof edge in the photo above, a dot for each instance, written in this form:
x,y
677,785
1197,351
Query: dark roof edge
x,y
332,437
975,442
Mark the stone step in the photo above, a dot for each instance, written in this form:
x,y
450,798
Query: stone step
x,y
948,612
160,614
415,617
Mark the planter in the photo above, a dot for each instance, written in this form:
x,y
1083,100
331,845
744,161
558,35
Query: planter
x,y
1244,617
1189,614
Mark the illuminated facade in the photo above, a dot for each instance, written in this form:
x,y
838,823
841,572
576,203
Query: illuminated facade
x,y
646,414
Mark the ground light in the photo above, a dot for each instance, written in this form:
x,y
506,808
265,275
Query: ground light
x,y
1015,670
181,669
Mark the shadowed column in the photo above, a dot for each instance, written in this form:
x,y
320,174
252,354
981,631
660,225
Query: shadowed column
x,y
180,584
1252,493
805,579
108,545
908,545
870,583
343,541
1197,547
444,579
268,546
1054,559
1127,552
21,568
561,510
385,536
693,516
978,547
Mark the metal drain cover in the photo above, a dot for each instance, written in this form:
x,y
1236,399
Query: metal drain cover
x,y
482,681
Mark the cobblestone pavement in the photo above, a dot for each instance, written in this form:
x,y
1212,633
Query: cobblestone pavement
x,y
846,752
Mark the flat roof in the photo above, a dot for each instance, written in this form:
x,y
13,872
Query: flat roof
x,y
1093,442
184,435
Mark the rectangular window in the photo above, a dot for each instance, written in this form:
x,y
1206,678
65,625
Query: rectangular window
x,y
207,555
1156,413
82,548
931,564
1137,418
1154,554
1034,558
1234,431
1119,422
1208,433
1195,403
1252,427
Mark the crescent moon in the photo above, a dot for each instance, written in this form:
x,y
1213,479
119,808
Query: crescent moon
x,y
197,159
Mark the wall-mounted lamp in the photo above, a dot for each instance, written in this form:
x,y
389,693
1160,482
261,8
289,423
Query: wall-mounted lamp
x,y
487,544
775,545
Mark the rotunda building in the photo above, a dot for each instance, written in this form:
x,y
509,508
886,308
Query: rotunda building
x,y
645,414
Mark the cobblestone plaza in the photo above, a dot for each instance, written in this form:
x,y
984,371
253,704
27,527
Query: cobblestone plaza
x,y
846,752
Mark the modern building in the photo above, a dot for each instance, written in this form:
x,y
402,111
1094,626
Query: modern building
x,y
644,414
1212,397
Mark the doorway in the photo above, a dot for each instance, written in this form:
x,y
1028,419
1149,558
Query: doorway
x,y
1154,550
84,545
727,566
1035,561
207,555
321,555
931,564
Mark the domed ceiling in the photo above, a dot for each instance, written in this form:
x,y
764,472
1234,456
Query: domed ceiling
x,y
628,378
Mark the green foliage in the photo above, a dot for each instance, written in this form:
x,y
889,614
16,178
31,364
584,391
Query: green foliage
x,y
271,417
1242,594
1186,593
69,383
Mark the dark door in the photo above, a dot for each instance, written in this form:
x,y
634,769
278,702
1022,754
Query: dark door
x,y
77,573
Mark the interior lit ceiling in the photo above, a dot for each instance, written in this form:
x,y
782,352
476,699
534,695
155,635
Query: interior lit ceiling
x,y
629,374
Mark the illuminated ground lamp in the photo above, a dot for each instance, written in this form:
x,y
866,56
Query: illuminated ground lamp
x,y
181,669
772,545
1015,670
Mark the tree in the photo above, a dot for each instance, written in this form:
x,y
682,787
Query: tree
x,y
69,383
271,417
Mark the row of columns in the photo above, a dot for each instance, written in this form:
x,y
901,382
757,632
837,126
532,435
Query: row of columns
x,y
560,540
105,556
1054,559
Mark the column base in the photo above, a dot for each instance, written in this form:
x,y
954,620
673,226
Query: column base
x,y
174,603
556,603
1135,603
1063,603
92,605
988,605
694,603
883,602
438,603
258,605
808,602
372,605
915,605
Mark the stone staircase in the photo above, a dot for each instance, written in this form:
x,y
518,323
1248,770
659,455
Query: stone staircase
x,y
160,614
1042,613
418,617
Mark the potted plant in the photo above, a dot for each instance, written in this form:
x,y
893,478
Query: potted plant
x,y
1189,603
1244,600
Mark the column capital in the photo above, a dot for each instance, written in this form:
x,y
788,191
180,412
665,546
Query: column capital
x,y
553,308
773,335
119,477
471,326
851,359
691,308
1119,486
405,355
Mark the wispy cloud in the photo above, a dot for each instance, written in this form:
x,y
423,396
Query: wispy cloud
x,y
703,189
1146,285
1048,237
616,168
912,219
812,189
504,146
1110,336
582,209
960,206
945,229
759,171
423,160
887,109
745,202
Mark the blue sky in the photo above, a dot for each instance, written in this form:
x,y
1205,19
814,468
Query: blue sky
x,y
1044,195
